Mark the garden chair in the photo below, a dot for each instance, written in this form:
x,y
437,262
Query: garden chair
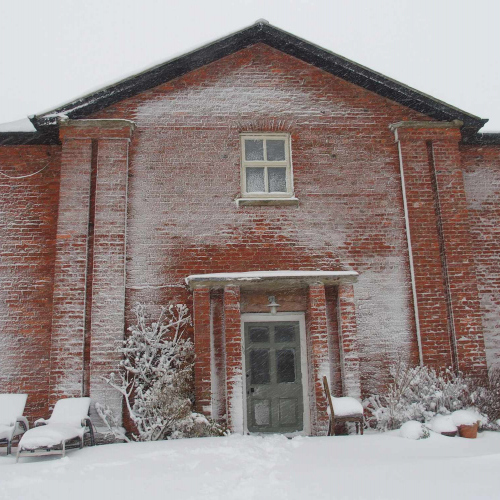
x,y
343,410
12,422
69,422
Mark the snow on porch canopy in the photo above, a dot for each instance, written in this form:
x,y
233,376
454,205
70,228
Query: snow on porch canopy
x,y
276,278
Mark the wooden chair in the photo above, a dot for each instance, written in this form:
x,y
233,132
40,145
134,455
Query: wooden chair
x,y
341,417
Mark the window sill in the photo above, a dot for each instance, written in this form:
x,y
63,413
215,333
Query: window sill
x,y
277,202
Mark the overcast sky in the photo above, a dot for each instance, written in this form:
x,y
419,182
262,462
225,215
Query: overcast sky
x,y
52,51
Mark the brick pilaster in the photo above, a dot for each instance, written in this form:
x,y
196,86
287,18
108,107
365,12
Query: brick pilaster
x,y
68,323
202,341
348,343
318,356
461,280
108,280
429,285
446,287
234,360
100,280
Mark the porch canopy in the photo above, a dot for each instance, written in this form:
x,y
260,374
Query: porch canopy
x,y
210,317
282,278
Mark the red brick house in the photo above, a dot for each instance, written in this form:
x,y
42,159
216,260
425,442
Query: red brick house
x,y
257,170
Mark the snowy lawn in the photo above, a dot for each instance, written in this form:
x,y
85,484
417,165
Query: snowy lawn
x,y
374,466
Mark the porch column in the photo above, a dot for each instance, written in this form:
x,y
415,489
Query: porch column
x,y
234,359
348,343
68,317
319,360
202,375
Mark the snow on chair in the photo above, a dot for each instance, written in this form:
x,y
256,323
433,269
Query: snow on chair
x,y
342,410
69,421
12,422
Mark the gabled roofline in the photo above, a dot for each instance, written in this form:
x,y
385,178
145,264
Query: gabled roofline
x,y
260,32
483,139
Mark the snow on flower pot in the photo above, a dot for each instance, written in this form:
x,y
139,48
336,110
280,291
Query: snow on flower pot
x,y
467,422
443,424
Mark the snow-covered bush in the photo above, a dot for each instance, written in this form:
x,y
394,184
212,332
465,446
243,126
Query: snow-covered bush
x,y
417,393
486,398
414,430
155,378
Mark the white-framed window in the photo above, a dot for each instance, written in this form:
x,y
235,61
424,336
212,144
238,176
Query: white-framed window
x,y
266,167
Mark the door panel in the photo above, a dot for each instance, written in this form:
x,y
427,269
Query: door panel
x,y
273,377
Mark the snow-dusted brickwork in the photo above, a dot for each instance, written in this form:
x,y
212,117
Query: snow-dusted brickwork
x,y
28,215
348,341
482,185
318,355
68,322
234,359
124,238
108,285
185,175
446,292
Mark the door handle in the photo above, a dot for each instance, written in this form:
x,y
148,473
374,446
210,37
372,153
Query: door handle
x,y
252,390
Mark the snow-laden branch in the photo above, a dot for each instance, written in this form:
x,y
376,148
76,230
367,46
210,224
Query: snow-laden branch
x,y
155,377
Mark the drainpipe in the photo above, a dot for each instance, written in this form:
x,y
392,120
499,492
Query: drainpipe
x,y
410,252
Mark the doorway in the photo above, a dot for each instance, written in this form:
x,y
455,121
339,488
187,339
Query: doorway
x,y
275,374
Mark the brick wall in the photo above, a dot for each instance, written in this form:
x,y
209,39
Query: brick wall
x,y
28,216
482,185
185,175
446,285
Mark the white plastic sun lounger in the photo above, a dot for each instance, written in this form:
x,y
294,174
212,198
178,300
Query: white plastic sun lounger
x,y
69,421
12,422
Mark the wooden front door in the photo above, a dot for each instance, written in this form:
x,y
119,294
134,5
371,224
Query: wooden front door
x,y
273,377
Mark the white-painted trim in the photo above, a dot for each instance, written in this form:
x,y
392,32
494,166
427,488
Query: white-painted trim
x,y
327,277
277,202
284,316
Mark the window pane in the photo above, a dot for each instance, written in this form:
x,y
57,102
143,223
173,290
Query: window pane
x,y
254,149
259,366
275,150
262,412
284,333
277,179
259,334
285,365
255,179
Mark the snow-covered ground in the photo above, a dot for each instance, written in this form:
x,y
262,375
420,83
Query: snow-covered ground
x,y
374,466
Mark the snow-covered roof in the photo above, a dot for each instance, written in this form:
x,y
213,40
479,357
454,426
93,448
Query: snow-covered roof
x,y
327,277
46,123
23,125
261,32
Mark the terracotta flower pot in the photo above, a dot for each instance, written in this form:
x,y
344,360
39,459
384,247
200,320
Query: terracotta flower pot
x,y
468,431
